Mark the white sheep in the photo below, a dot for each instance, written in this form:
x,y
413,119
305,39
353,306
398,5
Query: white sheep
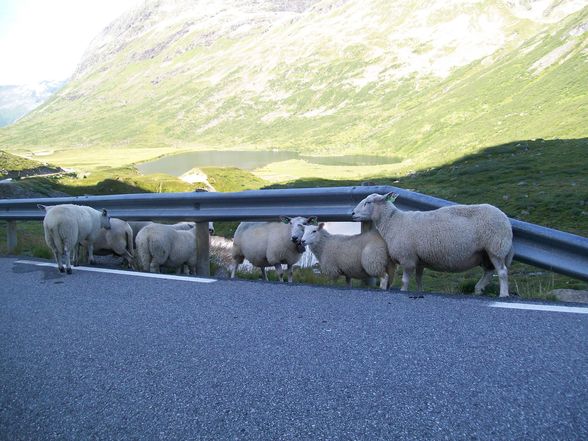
x,y
166,245
137,226
358,256
269,244
118,240
68,225
451,239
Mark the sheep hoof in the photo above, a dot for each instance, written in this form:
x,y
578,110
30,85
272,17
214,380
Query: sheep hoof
x,y
61,270
69,271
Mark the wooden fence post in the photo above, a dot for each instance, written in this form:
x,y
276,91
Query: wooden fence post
x,y
202,249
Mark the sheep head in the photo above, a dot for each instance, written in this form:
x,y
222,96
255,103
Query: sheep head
x,y
297,225
370,207
310,233
104,219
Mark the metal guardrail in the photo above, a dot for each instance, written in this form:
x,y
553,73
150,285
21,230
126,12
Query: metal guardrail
x,y
535,245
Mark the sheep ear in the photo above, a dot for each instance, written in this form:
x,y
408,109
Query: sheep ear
x,y
285,219
312,220
104,212
41,207
390,197
321,225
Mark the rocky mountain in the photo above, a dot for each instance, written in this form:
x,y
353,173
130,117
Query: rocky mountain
x,y
425,81
17,101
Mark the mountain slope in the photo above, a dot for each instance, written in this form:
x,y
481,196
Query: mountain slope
x,y
427,84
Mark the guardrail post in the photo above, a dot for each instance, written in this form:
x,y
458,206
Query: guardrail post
x,y
11,236
202,249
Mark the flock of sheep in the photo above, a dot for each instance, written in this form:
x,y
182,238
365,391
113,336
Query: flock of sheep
x,y
450,239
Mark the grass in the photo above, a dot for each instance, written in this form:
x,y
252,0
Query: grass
x,y
226,179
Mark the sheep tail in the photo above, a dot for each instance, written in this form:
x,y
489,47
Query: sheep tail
x,y
509,257
143,255
129,239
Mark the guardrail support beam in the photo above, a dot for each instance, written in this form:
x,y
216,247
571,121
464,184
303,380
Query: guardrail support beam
x,y
202,249
11,236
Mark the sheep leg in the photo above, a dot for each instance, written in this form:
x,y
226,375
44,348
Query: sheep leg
x,y
91,253
66,253
419,277
290,273
264,274
502,271
391,272
280,271
154,266
76,253
483,282
384,282
56,253
348,281
234,269
407,271
58,259
130,260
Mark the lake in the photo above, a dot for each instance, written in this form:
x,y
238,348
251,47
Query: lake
x,y
177,165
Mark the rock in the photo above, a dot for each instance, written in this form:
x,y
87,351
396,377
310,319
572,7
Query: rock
x,y
570,295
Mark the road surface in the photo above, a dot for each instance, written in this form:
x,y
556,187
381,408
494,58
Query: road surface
x,y
98,355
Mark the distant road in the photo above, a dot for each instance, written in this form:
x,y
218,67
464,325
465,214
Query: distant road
x,y
109,356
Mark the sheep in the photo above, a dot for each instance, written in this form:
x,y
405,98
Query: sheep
x,y
118,240
358,256
165,245
269,244
451,239
136,226
68,225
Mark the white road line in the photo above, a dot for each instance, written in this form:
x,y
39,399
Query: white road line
x,y
530,306
126,273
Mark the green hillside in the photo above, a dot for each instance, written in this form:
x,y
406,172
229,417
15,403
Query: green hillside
x,y
428,84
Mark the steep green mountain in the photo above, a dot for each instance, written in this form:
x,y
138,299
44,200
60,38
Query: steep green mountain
x,y
428,82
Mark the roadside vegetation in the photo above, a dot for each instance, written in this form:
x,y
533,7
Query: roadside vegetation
x,y
539,181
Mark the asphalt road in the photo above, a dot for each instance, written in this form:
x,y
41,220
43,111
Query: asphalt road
x,y
107,356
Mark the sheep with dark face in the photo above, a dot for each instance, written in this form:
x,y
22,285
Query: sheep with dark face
x,y
67,225
269,244
450,239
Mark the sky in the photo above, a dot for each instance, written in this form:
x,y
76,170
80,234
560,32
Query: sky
x,y
45,39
